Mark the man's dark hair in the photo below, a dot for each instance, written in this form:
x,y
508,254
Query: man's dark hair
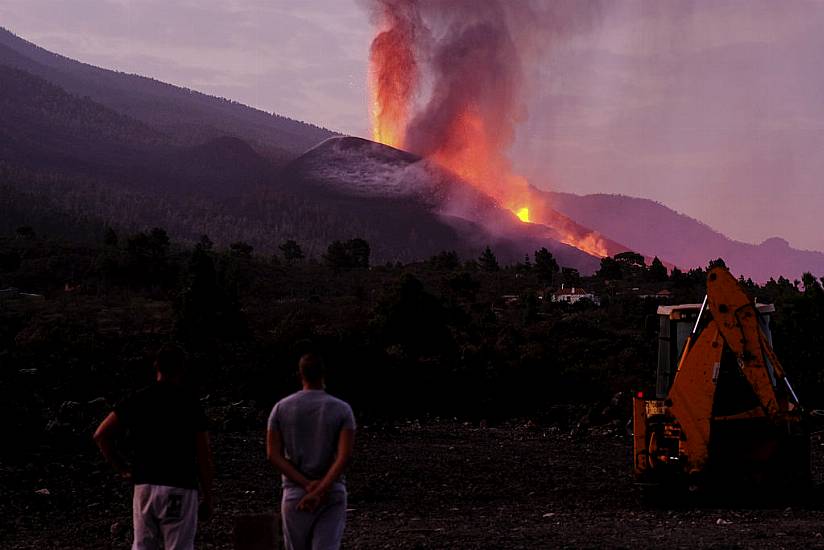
x,y
311,368
171,360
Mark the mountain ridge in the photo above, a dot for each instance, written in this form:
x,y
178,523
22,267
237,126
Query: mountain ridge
x,y
186,114
659,230
219,167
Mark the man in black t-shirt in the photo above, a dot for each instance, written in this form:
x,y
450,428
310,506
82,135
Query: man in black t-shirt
x,y
167,429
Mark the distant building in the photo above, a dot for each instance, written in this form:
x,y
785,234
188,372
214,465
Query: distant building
x,y
572,295
661,295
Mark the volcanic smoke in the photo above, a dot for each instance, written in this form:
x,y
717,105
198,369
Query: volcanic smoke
x,y
468,56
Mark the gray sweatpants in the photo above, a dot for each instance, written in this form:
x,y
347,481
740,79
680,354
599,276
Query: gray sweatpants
x,y
318,530
164,517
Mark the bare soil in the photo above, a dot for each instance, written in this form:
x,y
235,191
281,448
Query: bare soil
x,y
432,485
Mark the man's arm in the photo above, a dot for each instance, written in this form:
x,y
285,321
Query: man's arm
x,y
205,470
274,452
105,436
346,442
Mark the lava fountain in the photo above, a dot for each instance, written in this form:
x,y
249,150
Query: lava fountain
x,y
470,56
393,70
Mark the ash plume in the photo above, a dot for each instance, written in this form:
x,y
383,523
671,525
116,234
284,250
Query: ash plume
x,y
471,55
448,83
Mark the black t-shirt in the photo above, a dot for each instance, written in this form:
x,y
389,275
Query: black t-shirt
x,y
162,421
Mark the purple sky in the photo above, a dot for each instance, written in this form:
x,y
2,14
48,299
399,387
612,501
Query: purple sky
x,y
713,107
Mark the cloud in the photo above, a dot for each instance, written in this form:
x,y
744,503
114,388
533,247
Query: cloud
x,y
690,103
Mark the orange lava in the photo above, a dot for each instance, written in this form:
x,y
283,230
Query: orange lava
x,y
590,242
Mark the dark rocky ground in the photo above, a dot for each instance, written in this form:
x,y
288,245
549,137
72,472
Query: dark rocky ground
x,y
433,485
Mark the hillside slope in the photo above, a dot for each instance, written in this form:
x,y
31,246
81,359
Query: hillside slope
x,y
49,130
63,158
101,146
187,116
377,182
656,230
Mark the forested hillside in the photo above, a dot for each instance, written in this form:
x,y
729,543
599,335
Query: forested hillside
x,y
187,116
83,148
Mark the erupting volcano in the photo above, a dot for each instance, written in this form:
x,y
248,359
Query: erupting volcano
x,y
446,80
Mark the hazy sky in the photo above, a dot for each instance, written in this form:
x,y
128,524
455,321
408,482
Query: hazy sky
x,y
713,107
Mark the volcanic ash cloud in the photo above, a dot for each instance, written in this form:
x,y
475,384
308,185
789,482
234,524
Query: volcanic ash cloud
x,y
447,83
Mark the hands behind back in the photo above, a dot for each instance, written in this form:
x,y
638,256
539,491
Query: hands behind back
x,y
315,495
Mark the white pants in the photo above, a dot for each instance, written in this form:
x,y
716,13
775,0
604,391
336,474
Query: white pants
x,y
164,517
318,530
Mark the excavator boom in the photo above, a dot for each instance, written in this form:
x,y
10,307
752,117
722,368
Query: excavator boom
x,y
729,403
734,313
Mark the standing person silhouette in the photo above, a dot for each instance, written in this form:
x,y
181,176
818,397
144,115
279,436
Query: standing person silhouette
x,y
167,428
309,440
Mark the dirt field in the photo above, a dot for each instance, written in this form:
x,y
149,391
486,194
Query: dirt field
x,y
438,485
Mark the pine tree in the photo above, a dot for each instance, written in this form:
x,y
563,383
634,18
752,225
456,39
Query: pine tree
x,y
488,261
291,251
545,265
657,271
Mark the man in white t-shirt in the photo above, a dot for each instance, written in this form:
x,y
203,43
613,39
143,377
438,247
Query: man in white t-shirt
x,y
309,440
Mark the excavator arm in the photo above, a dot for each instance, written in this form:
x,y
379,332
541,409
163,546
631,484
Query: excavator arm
x,y
735,315
682,430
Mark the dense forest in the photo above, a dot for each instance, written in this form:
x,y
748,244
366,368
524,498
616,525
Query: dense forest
x,y
457,337
81,207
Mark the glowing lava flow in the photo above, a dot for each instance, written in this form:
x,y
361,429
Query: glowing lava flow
x,y
469,154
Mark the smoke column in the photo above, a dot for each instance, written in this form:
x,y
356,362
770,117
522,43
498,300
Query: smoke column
x,y
470,54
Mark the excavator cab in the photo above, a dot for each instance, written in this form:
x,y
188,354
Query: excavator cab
x,y
723,410
675,323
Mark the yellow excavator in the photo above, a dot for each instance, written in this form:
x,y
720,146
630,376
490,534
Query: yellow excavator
x,y
723,410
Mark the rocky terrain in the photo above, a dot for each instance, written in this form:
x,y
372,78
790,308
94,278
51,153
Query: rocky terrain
x,y
433,484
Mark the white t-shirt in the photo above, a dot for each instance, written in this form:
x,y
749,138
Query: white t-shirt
x,y
310,422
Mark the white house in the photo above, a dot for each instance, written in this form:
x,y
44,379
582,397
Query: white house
x,y
573,294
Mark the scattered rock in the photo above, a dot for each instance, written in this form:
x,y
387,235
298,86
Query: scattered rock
x,y
120,529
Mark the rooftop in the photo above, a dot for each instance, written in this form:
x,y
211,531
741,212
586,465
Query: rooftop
x,y
571,291
694,308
